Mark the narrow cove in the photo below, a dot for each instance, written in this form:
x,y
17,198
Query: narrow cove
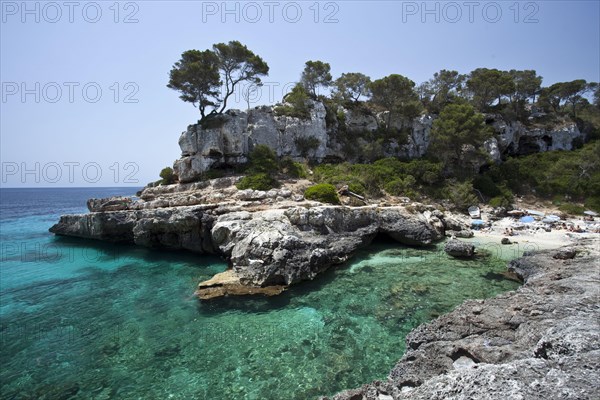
x,y
128,327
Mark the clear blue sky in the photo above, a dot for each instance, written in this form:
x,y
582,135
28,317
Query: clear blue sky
x,y
65,49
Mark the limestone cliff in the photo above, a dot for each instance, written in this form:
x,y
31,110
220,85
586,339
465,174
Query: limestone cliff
x,y
336,135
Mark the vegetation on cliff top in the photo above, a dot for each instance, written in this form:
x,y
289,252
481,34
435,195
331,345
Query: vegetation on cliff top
x,y
564,177
460,101
200,75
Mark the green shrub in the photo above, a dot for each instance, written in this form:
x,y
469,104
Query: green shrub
x,y
554,173
263,160
461,195
373,178
322,192
400,186
307,144
296,104
292,168
259,181
341,117
331,114
486,185
593,203
167,175
357,187
572,209
499,201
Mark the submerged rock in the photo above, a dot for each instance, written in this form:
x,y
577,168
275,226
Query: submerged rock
x,y
228,284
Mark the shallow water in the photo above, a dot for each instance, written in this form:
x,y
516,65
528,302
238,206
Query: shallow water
x,y
88,320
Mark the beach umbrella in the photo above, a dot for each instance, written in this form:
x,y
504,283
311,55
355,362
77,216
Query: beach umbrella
x,y
477,222
526,219
588,212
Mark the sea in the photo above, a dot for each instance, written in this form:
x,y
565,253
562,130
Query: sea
x,y
83,319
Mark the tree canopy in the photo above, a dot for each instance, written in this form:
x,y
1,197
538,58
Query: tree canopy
x,y
564,92
238,64
396,94
458,125
198,75
208,78
487,85
436,92
316,74
352,86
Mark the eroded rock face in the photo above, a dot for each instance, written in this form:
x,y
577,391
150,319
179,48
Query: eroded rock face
x,y
169,228
283,247
269,238
514,138
227,141
539,342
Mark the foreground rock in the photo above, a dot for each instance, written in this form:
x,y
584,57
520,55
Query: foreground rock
x,y
286,246
539,342
228,284
459,249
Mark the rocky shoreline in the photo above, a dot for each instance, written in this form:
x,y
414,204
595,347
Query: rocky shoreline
x,y
270,239
541,341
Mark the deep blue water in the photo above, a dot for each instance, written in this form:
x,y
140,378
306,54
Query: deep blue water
x,y
81,319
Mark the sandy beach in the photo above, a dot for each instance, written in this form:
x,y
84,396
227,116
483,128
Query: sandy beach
x,y
531,236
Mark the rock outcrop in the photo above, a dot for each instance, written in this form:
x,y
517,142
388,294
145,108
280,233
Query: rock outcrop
x,y
286,246
178,228
336,135
271,239
539,342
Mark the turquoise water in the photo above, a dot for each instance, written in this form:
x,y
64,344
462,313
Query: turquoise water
x,y
86,320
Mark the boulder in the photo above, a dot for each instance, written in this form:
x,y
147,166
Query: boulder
x,y
565,254
459,249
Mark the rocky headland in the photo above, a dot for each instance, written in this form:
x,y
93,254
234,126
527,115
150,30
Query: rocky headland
x,y
271,239
276,238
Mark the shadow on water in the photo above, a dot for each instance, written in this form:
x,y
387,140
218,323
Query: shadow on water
x,y
95,251
297,293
